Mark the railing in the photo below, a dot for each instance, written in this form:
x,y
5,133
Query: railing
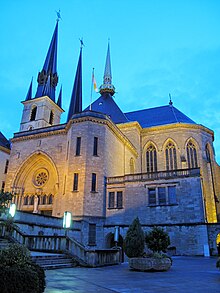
x,y
64,244
154,175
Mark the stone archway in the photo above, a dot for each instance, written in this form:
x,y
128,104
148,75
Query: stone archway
x,y
111,243
36,184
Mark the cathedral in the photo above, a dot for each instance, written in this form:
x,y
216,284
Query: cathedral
x,y
107,167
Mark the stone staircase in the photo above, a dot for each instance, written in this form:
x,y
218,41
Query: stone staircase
x,y
53,261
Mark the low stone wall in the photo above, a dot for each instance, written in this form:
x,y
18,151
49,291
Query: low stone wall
x,y
186,239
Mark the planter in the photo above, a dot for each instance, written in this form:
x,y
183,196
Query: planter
x,y
150,264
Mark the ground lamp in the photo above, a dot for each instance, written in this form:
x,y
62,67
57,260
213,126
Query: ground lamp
x,y
67,220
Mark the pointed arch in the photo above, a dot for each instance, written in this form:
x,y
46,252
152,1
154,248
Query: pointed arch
x,y
151,157
209,152
132,166
191,152
170,148
36,161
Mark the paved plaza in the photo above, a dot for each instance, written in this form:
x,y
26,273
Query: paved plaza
x,y
188,274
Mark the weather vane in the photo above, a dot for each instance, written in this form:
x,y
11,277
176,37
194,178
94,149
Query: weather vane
x,y
81,42
170,103
58,15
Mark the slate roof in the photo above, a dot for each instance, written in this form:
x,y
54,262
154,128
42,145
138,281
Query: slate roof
x,y
158,116
4,142
106,105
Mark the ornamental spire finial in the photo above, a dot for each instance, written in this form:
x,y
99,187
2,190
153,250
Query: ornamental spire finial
x,y
107,86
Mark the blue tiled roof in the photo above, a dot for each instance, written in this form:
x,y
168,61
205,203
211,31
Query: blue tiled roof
x,y
4,142
106,105
158,116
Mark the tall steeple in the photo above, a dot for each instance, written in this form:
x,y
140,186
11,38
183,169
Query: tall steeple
x,y
48,78
76,98
107,86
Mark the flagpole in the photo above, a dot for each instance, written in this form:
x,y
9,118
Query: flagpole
x,y
90,107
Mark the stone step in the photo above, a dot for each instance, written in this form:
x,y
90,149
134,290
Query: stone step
x,y
49,262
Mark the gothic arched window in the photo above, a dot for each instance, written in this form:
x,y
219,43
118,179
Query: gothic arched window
x,y
171,162
208,156
131,166
33,113
151,159
191,155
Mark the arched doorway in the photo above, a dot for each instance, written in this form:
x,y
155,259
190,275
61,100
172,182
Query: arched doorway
x,y
111,243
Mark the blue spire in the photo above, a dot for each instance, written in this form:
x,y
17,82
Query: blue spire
x,y
49,69
107,86
59,100
29,93
76,98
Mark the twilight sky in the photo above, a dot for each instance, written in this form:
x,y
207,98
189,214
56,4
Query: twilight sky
x,y
157,47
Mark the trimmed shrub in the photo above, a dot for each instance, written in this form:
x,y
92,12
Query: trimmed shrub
x,y
134,240
18,279
41,276
15,254
18,273
157,240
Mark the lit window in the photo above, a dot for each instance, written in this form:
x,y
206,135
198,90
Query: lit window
x,y
171,162
151,159
191,155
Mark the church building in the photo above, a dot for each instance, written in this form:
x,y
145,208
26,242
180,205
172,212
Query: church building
x,y
107,167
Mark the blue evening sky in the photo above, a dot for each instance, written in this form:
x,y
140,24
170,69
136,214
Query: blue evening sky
x,y
157,47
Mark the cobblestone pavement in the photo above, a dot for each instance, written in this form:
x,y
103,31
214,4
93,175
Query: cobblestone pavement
x,y
187,274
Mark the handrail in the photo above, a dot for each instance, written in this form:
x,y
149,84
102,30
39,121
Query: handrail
x,y
63,244
154,175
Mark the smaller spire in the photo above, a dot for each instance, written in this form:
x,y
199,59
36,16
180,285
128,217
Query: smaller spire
x,y
107,86
29,93
59,100
170,102
76,98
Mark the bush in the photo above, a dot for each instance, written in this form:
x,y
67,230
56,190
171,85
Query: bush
x,y
134,240
157,240
18,273
15,254
16,279
41,276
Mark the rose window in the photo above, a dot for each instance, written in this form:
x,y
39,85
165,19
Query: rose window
x,y
41,178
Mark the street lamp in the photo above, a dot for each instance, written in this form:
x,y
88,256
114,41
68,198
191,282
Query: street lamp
x,y
12,209
67,220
